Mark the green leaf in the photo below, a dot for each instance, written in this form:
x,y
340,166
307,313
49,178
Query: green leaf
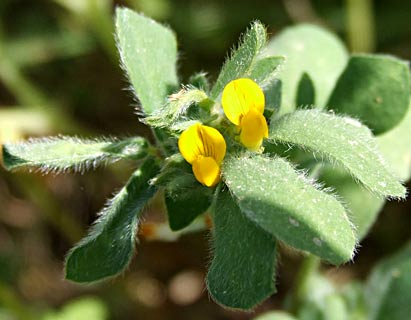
x,y
183,207
243,268
388,290
305,91
275,315
272,93
286,204
362,204
312,50
148,53
240,61
176,175
177,107
109,246
263,71
374,89
199,80
342,140
395,145
60,154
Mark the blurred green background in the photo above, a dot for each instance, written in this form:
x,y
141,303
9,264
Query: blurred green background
x,y
59,74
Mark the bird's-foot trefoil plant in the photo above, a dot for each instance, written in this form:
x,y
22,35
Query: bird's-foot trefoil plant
x,y
293,143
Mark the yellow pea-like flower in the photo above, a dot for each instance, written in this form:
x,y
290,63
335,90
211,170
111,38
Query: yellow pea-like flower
x,y
204,148
243,103
253,129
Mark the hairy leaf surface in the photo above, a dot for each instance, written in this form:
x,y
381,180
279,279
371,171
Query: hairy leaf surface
x,y
241,60
286,204
60,154
242,271
110,244
148,53
342,140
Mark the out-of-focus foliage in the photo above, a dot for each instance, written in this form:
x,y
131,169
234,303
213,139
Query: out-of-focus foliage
x,y
58,73
83,308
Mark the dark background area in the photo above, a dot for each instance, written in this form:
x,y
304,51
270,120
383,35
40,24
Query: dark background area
x,y
58,57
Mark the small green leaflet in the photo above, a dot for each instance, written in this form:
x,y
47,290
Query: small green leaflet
x,y
286,204
264,70
109,246
148,53
242,271
61,154
176,109
342,140
374,89
183,206
240,61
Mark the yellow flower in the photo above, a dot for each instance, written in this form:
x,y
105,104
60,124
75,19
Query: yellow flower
x,y
204,148
243,103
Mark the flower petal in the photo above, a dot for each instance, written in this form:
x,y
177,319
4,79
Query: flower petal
x,y
191,144
239,96
214,143
207,171
253,129
202,140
